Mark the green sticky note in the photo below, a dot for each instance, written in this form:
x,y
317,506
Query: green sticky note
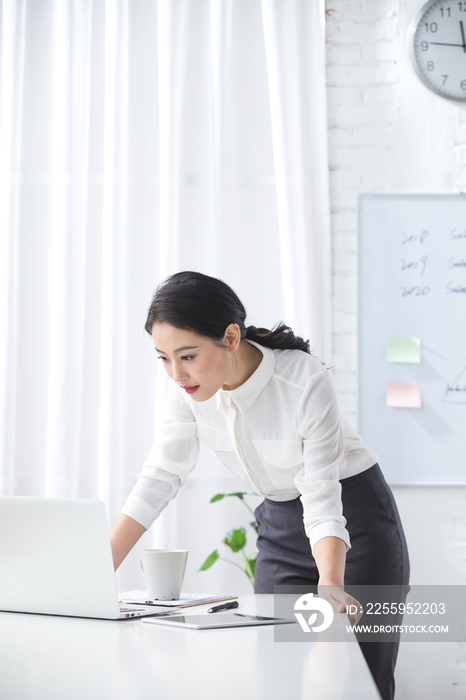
x,y
404,350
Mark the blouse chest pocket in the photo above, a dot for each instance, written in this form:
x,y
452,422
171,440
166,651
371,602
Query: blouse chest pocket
x,y
215,439
282,460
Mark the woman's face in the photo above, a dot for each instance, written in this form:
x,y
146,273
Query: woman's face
x,y
197,364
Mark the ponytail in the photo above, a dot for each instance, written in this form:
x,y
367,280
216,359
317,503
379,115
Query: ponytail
x,y
280,337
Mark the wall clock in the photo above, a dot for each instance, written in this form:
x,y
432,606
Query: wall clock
x,y
437,44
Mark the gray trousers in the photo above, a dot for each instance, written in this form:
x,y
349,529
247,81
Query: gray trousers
x,y
378,554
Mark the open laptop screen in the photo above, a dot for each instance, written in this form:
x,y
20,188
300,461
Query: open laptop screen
x,y
55,557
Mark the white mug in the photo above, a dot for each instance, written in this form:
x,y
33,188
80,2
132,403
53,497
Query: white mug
x,y
164,572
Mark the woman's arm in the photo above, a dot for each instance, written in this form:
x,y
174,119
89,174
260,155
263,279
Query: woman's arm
x,y
123,536
330,556
323,452
172,457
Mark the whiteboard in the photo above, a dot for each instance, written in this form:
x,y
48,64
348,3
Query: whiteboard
x,y
412,284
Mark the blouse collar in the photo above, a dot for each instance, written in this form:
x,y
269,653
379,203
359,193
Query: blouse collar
x,y
248,392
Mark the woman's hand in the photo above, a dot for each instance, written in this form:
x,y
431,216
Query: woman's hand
x,y
341,601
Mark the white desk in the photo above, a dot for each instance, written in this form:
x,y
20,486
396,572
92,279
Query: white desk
x,y
58,658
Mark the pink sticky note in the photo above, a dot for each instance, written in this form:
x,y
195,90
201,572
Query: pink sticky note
x,y
403,395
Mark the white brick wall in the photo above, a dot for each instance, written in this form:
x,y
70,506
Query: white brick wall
x,y
388,133
379,141
363,106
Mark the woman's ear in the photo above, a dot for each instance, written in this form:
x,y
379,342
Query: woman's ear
x,y
232,337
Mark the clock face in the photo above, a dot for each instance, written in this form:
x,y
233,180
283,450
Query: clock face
x,y
437,38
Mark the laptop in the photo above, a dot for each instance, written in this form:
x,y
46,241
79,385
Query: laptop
x,y
56,559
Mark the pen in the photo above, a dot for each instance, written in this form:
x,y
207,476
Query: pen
x,y
225,606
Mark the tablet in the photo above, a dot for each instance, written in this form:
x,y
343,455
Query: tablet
x,y
215,621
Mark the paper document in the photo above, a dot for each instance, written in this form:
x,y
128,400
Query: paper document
x,y
140,597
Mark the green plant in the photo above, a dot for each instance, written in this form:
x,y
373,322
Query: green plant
x,y
235,540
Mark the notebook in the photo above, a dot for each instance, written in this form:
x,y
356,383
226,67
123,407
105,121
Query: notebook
x,y
187,600
56,559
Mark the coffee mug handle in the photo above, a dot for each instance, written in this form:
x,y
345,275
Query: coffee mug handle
x,y
142,568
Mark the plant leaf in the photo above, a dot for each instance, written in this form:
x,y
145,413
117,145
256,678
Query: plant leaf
x,y
250,566
217,497
236,539
255,525
211,559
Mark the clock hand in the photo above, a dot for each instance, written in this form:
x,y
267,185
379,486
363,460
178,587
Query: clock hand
x,y
462,36
463,45
439,43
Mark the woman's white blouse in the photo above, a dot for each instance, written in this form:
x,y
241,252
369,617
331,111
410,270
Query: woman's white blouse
x,y
281,432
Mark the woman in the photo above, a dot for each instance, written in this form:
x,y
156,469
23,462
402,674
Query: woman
x,y
268,409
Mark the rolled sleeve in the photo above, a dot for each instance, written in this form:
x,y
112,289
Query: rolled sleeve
x,y
323,452
172,457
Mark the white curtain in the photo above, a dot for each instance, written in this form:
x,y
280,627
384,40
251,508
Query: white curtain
x,y
139,138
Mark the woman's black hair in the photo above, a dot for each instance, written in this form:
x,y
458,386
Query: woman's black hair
x,y
206,306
